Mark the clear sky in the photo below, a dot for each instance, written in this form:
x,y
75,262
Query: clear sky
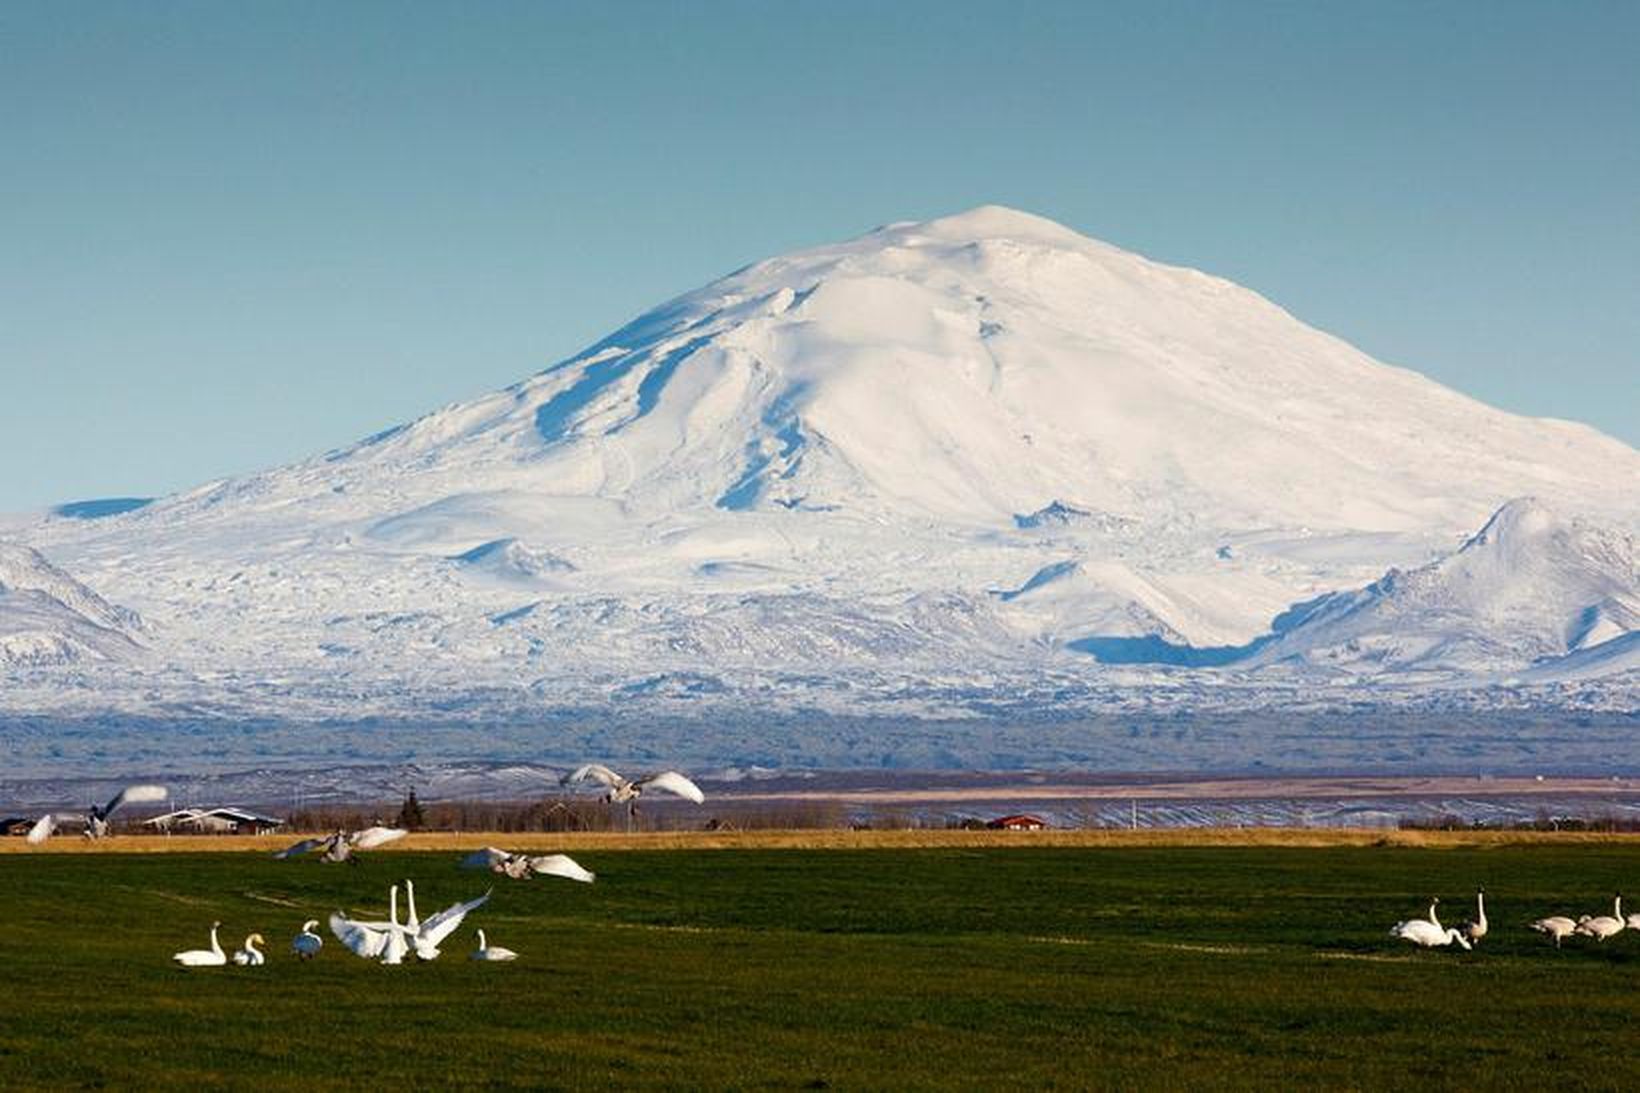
x,y
237,234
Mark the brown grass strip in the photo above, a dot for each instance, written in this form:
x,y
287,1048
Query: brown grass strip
x,y
849,840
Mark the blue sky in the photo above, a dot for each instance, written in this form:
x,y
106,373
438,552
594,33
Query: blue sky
x,y
237,234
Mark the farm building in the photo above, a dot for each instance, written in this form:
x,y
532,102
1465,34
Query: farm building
x,y
216,821
1018,822
171,820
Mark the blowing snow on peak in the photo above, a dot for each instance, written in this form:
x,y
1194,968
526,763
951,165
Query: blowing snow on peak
x,y
897,474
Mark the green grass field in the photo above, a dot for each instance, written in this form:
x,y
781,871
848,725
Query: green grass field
x,y
1214,967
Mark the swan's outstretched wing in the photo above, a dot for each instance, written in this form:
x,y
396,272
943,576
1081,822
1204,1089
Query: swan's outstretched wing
x,y
435,928
302,847
673,782
360,939
561,865
42,829
134,795
488,858
595,771
376,836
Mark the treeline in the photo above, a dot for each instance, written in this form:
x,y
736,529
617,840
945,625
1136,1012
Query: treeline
x,y
556,815
1603,823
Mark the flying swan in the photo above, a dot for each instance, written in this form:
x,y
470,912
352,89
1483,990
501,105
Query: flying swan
x,y
523,866
96,820
340,846
618,789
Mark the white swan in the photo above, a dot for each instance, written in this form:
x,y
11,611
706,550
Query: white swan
x,y
392,941
627,789
398,944
96,819
373,940
307,943
372,837
1600,927
440,926
1427,932
203,958
1556,926
1474,930
339,847
486,951
356,937
523,866
250,955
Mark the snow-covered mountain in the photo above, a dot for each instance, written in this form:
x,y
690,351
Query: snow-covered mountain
x,y
907,473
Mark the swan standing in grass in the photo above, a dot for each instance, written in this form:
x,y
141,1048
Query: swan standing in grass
x,y
1600,927
307,944
1556,926
203,958
96,819
523,866
486,951
1427,932
250,955
1474,930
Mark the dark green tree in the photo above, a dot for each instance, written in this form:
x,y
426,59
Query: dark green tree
x,y
410,817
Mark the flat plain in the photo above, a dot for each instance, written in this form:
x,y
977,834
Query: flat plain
x,y
962,965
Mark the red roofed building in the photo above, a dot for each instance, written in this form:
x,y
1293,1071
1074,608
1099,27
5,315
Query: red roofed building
x,y
1020,822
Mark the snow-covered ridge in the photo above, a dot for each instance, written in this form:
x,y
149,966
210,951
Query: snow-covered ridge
x,y
1530,589
913,471
48,618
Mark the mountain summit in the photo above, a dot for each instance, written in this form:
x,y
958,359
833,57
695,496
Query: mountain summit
x,y
972,368
954,450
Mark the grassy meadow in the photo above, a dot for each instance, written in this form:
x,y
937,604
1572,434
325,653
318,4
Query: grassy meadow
x,y
945,967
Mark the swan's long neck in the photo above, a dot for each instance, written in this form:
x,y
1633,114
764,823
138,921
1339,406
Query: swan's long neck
x,y
410,896
482,944
1432,918
250,945
1480,907
1617,908
393,906
216,946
